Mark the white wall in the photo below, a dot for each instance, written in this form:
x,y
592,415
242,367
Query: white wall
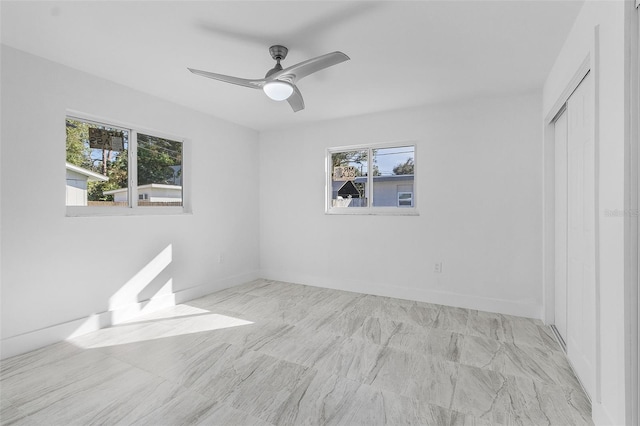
x,y
479,196
609,405
58,270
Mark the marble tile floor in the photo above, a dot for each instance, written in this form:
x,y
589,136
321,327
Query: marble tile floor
x,y
274,353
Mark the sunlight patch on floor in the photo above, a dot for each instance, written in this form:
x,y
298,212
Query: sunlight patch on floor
x,y
159,328
169,312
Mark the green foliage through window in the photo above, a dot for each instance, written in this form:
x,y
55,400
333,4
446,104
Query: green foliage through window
x,y
107,162
159,160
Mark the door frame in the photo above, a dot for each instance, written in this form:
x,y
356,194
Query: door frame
x,y
632,204
588,65
631,220
561,333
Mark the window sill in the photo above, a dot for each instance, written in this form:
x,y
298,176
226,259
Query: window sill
x,y
373,211
125,211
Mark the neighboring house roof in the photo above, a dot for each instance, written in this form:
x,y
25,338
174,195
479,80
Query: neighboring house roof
x,y
363,179
348,189
337,184
91,176
147,186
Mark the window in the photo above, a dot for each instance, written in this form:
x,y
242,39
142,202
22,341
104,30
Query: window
x,y
377,179
102,160
405,199
350,170
96,164
159,171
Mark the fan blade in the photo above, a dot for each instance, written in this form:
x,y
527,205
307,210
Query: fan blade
x,y
256,84
303,69
295,100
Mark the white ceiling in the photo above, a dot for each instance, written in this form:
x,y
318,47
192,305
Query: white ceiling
x,y
403,54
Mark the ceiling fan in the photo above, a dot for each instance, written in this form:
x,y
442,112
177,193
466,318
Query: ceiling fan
x,y
280,84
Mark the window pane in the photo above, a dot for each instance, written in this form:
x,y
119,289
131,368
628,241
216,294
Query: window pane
x,y
349,178
393,170
96,164
159,171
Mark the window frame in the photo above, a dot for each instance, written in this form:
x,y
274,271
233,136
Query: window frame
x,y
132,173
369,209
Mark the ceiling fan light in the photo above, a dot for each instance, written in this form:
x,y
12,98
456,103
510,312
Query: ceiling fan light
x,y
278,90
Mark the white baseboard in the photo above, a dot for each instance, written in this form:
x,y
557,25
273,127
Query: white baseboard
x,y
22,343
32,340
204,289
501,306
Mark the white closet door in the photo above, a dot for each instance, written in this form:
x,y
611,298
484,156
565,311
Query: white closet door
x,y
560,128
581,251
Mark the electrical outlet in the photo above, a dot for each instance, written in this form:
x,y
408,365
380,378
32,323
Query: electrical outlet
x,y
437,268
